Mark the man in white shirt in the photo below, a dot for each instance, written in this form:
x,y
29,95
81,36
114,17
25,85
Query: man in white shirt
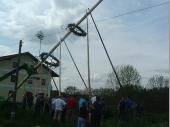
x,y
59,105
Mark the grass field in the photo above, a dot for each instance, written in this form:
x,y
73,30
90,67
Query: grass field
x,y
27,118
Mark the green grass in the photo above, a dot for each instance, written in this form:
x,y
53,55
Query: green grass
x,y
27,118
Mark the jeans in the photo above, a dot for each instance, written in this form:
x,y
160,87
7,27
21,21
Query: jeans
x,y
81,122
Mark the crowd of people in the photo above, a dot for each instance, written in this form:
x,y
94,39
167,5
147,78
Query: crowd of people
x,y
88,109
67,108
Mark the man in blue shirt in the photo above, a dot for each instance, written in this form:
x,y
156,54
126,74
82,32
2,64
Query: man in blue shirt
x,y
81,101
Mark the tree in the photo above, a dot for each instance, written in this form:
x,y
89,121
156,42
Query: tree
x,y
71,90
103,91
158,81
128,76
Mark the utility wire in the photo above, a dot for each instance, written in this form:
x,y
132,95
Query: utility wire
x,y
113,17
134,11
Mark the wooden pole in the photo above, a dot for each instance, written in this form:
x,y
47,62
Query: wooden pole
x,y
16,82
88,59
114,70
17,70
60,74
75,65
55,83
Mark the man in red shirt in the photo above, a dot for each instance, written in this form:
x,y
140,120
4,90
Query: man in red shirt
x,y
71,106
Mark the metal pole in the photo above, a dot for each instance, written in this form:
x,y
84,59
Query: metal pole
x,y
16,80
75,65
61,40
40,48
114,70
88,59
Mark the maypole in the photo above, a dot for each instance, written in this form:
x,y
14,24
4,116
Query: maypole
x,y
60,41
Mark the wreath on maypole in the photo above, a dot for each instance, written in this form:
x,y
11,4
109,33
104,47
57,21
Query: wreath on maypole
x,y
76,30
54,64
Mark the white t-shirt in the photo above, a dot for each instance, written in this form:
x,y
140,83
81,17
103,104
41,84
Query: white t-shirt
x,y
59,104
93,99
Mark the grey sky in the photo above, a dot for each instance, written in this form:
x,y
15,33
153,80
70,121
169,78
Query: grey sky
x,y
139,39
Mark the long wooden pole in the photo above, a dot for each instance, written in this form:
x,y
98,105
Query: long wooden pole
x,y
17,71
114,70
60,73
55,84
88,60
13,112
76,65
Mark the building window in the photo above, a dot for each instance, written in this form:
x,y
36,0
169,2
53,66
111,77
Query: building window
x,y
13,78
14,64
43,82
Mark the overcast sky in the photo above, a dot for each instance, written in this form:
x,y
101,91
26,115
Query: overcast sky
x,y
140,39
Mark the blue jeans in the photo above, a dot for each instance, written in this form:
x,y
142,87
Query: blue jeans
x,y
81,122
